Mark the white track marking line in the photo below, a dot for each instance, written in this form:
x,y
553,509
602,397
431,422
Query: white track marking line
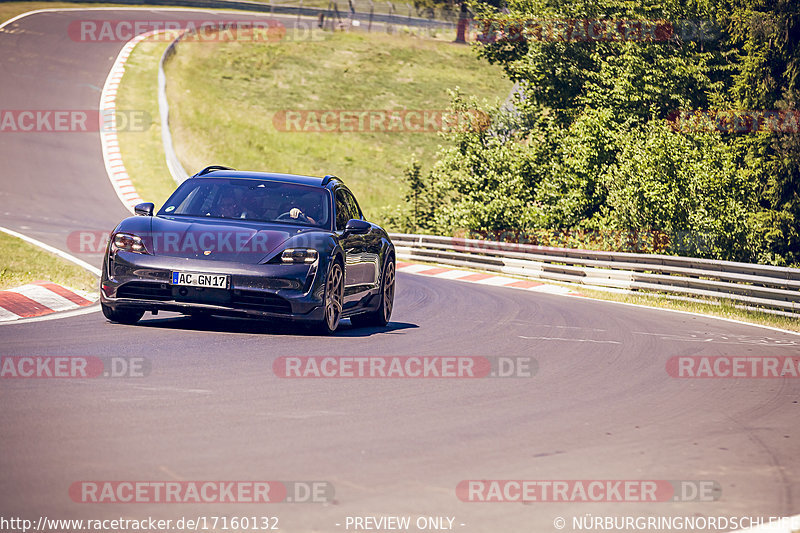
x,y
64,255
567,339
552,289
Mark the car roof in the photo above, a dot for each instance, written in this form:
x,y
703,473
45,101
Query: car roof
x,y
268,176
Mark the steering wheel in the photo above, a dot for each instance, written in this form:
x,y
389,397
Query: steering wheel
x,y
288,216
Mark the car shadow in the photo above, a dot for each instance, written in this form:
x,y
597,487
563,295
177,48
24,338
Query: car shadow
x,y
346,329
222,324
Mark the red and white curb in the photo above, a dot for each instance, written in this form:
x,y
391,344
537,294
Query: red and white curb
x,y
481,278
41,298
108,137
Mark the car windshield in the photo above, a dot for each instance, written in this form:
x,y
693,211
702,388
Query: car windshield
x,y
251,199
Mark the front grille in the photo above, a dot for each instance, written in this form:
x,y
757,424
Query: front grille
x,y
262,301
246,299
144,290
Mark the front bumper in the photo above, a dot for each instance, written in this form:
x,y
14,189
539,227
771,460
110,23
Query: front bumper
x,y
141,281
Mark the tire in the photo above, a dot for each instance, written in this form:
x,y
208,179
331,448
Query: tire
x,y
123,316
333,299
380,317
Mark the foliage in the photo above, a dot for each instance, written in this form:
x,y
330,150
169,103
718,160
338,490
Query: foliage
x,y
589,141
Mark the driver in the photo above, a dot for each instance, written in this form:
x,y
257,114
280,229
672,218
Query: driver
x,y
304,209
227,207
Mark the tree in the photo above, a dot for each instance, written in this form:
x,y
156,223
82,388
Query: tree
x,y
586,142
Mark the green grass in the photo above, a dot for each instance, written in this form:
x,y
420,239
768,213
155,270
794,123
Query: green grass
x,y
223,97
142,151
24,263
718,308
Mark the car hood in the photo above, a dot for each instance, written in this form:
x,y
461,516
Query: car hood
x,y
218,240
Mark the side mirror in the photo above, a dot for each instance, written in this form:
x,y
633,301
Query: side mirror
x,y
357,227
144,209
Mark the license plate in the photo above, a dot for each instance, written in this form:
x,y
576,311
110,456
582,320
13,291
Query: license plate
x,y
198,279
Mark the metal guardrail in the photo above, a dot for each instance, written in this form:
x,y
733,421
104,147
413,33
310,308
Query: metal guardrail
x,y
752,285
176,170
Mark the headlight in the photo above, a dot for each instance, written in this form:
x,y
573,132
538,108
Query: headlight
x,y
127,242
299,255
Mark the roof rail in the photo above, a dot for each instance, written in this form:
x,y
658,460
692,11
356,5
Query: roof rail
x,y
212,168
328,178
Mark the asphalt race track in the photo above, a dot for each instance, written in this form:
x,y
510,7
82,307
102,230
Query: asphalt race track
x,y
600,407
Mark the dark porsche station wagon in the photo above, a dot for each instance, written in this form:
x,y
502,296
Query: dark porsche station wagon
x,y
252,244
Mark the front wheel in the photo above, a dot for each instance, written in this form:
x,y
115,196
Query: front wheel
x,y
333,299
123,316
380,316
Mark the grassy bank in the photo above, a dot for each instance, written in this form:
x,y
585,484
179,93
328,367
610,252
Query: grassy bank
x,y
225,96
722,309
23,263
